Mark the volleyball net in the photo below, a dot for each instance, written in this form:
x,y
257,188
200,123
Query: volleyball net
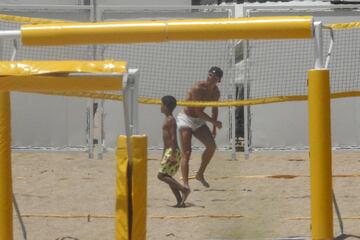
x,y
283,77
271,70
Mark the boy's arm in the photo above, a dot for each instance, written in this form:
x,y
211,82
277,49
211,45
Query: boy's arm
x,y
173,140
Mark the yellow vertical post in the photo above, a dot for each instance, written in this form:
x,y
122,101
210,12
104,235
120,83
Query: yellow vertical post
x,y
122,204
131,206
6,221
320,154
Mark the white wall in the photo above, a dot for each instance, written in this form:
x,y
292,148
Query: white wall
x,y
49,121
103,2
286,124
47,2
282,124
146,3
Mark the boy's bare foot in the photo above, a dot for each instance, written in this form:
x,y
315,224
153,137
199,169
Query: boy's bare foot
x,y
179,205
202,180
184,196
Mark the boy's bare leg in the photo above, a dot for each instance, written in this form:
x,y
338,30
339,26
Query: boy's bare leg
x,y
205,137
176,188
177,195
185,194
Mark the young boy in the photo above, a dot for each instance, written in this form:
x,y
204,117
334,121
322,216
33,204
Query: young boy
x,y
170,161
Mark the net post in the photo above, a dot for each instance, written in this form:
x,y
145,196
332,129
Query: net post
x,y
246,107
320,145
90,127
133,80
6,212
233,132
318,38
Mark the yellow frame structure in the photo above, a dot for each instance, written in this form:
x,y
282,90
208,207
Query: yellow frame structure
x,y
184,30
46,77
320,154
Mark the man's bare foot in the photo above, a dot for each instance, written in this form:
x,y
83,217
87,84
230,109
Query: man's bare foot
x,y
190,177
202,180
184,196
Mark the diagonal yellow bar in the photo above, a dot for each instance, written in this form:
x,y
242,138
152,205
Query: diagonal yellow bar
x,y
170,30
61,76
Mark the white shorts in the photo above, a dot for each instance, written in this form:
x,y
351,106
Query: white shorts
x,y
184,121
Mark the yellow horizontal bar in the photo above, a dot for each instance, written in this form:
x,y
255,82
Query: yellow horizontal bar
x,y
171,30
241,28
29,68
60,83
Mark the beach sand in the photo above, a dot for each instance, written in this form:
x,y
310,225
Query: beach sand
x,y
66,196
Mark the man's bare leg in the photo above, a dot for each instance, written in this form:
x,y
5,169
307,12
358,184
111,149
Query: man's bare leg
x,y
205,137
185,142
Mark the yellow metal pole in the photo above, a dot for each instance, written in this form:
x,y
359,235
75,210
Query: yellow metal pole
x,y
139,186
320,154
6,221
122,212
130,214
168,30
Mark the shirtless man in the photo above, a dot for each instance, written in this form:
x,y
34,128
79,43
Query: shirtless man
x,y
192,122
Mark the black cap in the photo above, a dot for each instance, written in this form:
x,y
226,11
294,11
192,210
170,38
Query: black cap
x,y
217,71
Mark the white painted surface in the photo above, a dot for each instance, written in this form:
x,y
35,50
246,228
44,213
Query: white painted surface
x,y
147,3
102,2
55,121
286,124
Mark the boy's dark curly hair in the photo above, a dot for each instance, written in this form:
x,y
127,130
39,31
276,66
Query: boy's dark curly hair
x,y
169,101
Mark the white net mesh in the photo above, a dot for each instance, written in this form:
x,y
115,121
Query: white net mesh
x,y
165,68
172,68
272,68
345,61
41,53
279,68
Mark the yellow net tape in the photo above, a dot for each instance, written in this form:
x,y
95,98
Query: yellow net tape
x,y
235,103
337,26
19,19
145,100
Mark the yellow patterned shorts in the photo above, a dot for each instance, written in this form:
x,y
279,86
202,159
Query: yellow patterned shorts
x,y
166,167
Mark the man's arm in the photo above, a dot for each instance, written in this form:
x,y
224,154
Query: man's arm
x,y
198,95
215,112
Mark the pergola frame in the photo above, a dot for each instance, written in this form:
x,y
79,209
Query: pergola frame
x,y
214,29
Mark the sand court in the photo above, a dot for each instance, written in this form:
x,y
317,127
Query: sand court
x,y
66,196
